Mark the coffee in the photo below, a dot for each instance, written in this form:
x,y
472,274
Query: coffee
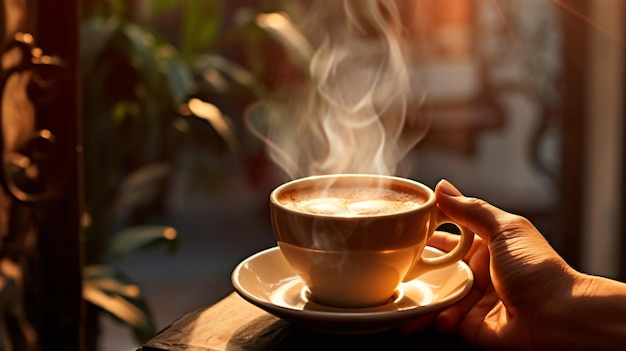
x,y
352,200
353,238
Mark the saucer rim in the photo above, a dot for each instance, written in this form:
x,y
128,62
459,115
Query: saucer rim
x,y
345,314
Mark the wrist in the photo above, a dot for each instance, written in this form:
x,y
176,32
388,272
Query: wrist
x,y
553,323
594,315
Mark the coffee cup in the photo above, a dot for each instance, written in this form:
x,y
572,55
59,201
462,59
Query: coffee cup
x,y
353,238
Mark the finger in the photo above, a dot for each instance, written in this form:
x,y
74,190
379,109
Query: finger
x,y
477,215
482,320
449,319
443,241
447,242
468,313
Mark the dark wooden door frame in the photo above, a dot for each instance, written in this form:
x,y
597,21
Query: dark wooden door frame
x,y
44,206
57,34
573,120
622,231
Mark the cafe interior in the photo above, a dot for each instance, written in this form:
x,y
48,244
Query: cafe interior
x,y
141,139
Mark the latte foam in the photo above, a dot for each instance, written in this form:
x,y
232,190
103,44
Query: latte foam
x,y
351,201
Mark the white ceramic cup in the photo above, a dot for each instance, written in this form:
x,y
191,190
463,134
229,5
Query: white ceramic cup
x,y
353,238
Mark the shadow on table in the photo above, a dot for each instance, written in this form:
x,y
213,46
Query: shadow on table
x,y
269,333
233,324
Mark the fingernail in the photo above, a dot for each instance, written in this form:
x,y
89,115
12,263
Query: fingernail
x,y
448,189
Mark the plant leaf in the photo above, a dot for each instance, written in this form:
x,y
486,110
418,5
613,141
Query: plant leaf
x,y
95,34
138,44
136,238
164,5
201,26
177,73
280,27
114,294
223,76
142,186
214,116
110,280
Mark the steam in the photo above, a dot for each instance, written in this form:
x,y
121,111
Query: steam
x,y
359,110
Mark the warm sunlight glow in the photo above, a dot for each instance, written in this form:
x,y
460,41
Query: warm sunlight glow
x,y
276,20
589,21
214,116
170,234
281,28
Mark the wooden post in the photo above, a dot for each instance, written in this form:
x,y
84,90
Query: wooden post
x,y
573,127
57,34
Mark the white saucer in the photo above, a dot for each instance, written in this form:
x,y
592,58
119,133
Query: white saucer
x,y
267,281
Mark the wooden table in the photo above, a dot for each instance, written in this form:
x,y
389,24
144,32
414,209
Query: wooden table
x,y
233,324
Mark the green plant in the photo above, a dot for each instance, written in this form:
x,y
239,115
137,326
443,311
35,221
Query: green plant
x,y
137,88
131,87
150,91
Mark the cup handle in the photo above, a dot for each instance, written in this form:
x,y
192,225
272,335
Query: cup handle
x,y
426,264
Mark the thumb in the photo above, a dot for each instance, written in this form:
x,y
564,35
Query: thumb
x,y
475,214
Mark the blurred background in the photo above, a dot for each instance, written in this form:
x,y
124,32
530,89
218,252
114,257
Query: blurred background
x,y
168,188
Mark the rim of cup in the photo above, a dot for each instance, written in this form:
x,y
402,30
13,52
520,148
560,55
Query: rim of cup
x,y
429,200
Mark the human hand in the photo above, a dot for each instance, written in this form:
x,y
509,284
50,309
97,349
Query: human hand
x,y
520,281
